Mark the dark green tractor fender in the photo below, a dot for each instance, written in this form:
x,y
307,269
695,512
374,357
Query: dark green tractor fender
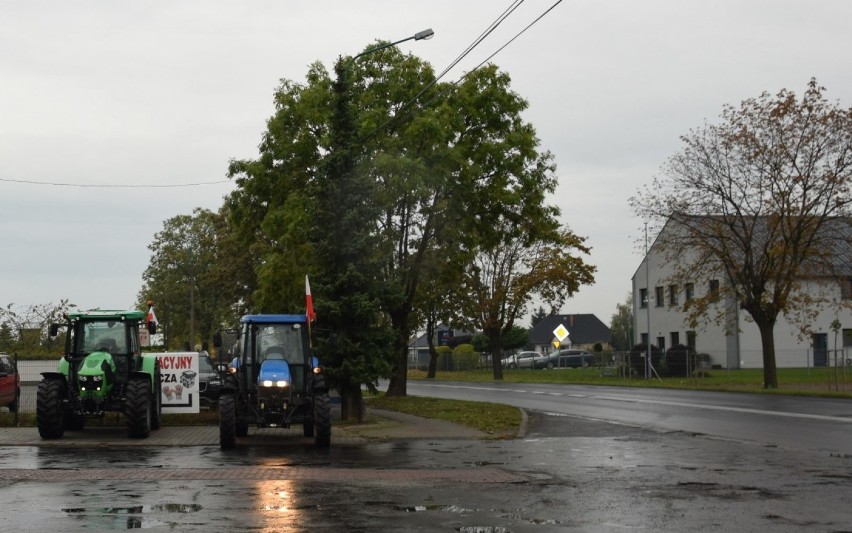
x,y
56,375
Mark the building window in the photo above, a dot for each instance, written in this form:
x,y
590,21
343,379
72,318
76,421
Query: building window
x,y
644,339
643,298
661,343
672,295
690,291
846,288
690,341
659,297
714,287
675,335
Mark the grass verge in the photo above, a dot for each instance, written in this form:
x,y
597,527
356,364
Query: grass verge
x,y
493,418
833,383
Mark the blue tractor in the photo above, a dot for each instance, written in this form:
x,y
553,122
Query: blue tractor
x,y
274,381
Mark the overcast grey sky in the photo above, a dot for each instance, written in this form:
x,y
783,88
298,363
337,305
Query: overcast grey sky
x,y
166,92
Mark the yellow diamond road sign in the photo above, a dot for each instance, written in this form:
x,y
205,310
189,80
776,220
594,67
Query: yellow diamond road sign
x,y
561,332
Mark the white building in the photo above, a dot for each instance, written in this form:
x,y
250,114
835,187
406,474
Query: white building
x,y
658,317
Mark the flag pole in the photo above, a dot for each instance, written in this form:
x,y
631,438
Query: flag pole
x,y
309,309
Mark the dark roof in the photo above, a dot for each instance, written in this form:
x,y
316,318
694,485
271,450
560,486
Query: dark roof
x,y
582,329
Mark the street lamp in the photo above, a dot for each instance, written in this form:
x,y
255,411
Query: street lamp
x,y
419,36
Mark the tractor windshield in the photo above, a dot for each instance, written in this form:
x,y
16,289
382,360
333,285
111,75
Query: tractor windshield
x,y
280,341
106,336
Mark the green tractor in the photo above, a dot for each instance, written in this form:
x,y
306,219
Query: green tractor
x,y
274,382
101,371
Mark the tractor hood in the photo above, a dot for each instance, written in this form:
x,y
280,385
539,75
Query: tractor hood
x,y
97,364
273,372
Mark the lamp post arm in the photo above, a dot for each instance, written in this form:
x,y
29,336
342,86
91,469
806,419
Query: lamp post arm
x,y
425,34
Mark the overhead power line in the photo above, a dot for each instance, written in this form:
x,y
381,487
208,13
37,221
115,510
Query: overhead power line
x,y
405,110
114,185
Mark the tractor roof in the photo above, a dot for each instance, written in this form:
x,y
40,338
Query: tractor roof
x,y
107,314
274,319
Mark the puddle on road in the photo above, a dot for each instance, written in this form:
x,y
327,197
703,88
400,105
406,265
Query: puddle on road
x,y
131,517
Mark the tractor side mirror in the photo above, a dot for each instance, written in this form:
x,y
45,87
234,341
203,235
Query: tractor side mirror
x,y
152,327
54,330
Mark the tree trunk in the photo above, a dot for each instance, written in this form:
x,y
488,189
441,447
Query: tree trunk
x,y
433,363
399,374
767,341
398,384
352,404
496,356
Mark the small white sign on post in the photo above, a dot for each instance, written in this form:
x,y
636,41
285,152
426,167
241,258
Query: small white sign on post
x,y
561,333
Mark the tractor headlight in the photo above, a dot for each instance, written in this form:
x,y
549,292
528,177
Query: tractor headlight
x,y
269,383
91,383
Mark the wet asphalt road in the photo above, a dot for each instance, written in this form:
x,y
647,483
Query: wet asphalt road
x,y
566,474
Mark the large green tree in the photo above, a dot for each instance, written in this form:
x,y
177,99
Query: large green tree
x,y
193,277
367,187
761,202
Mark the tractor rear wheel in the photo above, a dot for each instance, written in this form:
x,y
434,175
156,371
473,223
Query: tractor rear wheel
x,y
308,426
49,409
137,409
227,421
322,420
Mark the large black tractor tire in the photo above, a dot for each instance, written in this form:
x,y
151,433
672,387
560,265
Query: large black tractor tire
x,y
16,403
322,420
157,400
137,408
308,426
49,415
227,421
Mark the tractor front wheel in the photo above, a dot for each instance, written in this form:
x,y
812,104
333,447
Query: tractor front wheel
x,y
49,409
227,421
137,409
322,420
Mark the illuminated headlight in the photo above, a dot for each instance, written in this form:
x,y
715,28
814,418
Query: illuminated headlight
x,y
270,383
91,383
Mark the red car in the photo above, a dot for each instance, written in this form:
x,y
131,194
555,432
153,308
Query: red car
x,y
10,383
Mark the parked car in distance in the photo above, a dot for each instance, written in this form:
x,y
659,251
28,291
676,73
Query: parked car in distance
x,y
10,383
209,381
521,360
567,358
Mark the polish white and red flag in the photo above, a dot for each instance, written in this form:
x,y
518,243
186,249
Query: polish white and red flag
x,y
152,318
309,302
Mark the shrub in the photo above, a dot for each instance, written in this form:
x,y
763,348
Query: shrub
x,y
465,357
637,359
